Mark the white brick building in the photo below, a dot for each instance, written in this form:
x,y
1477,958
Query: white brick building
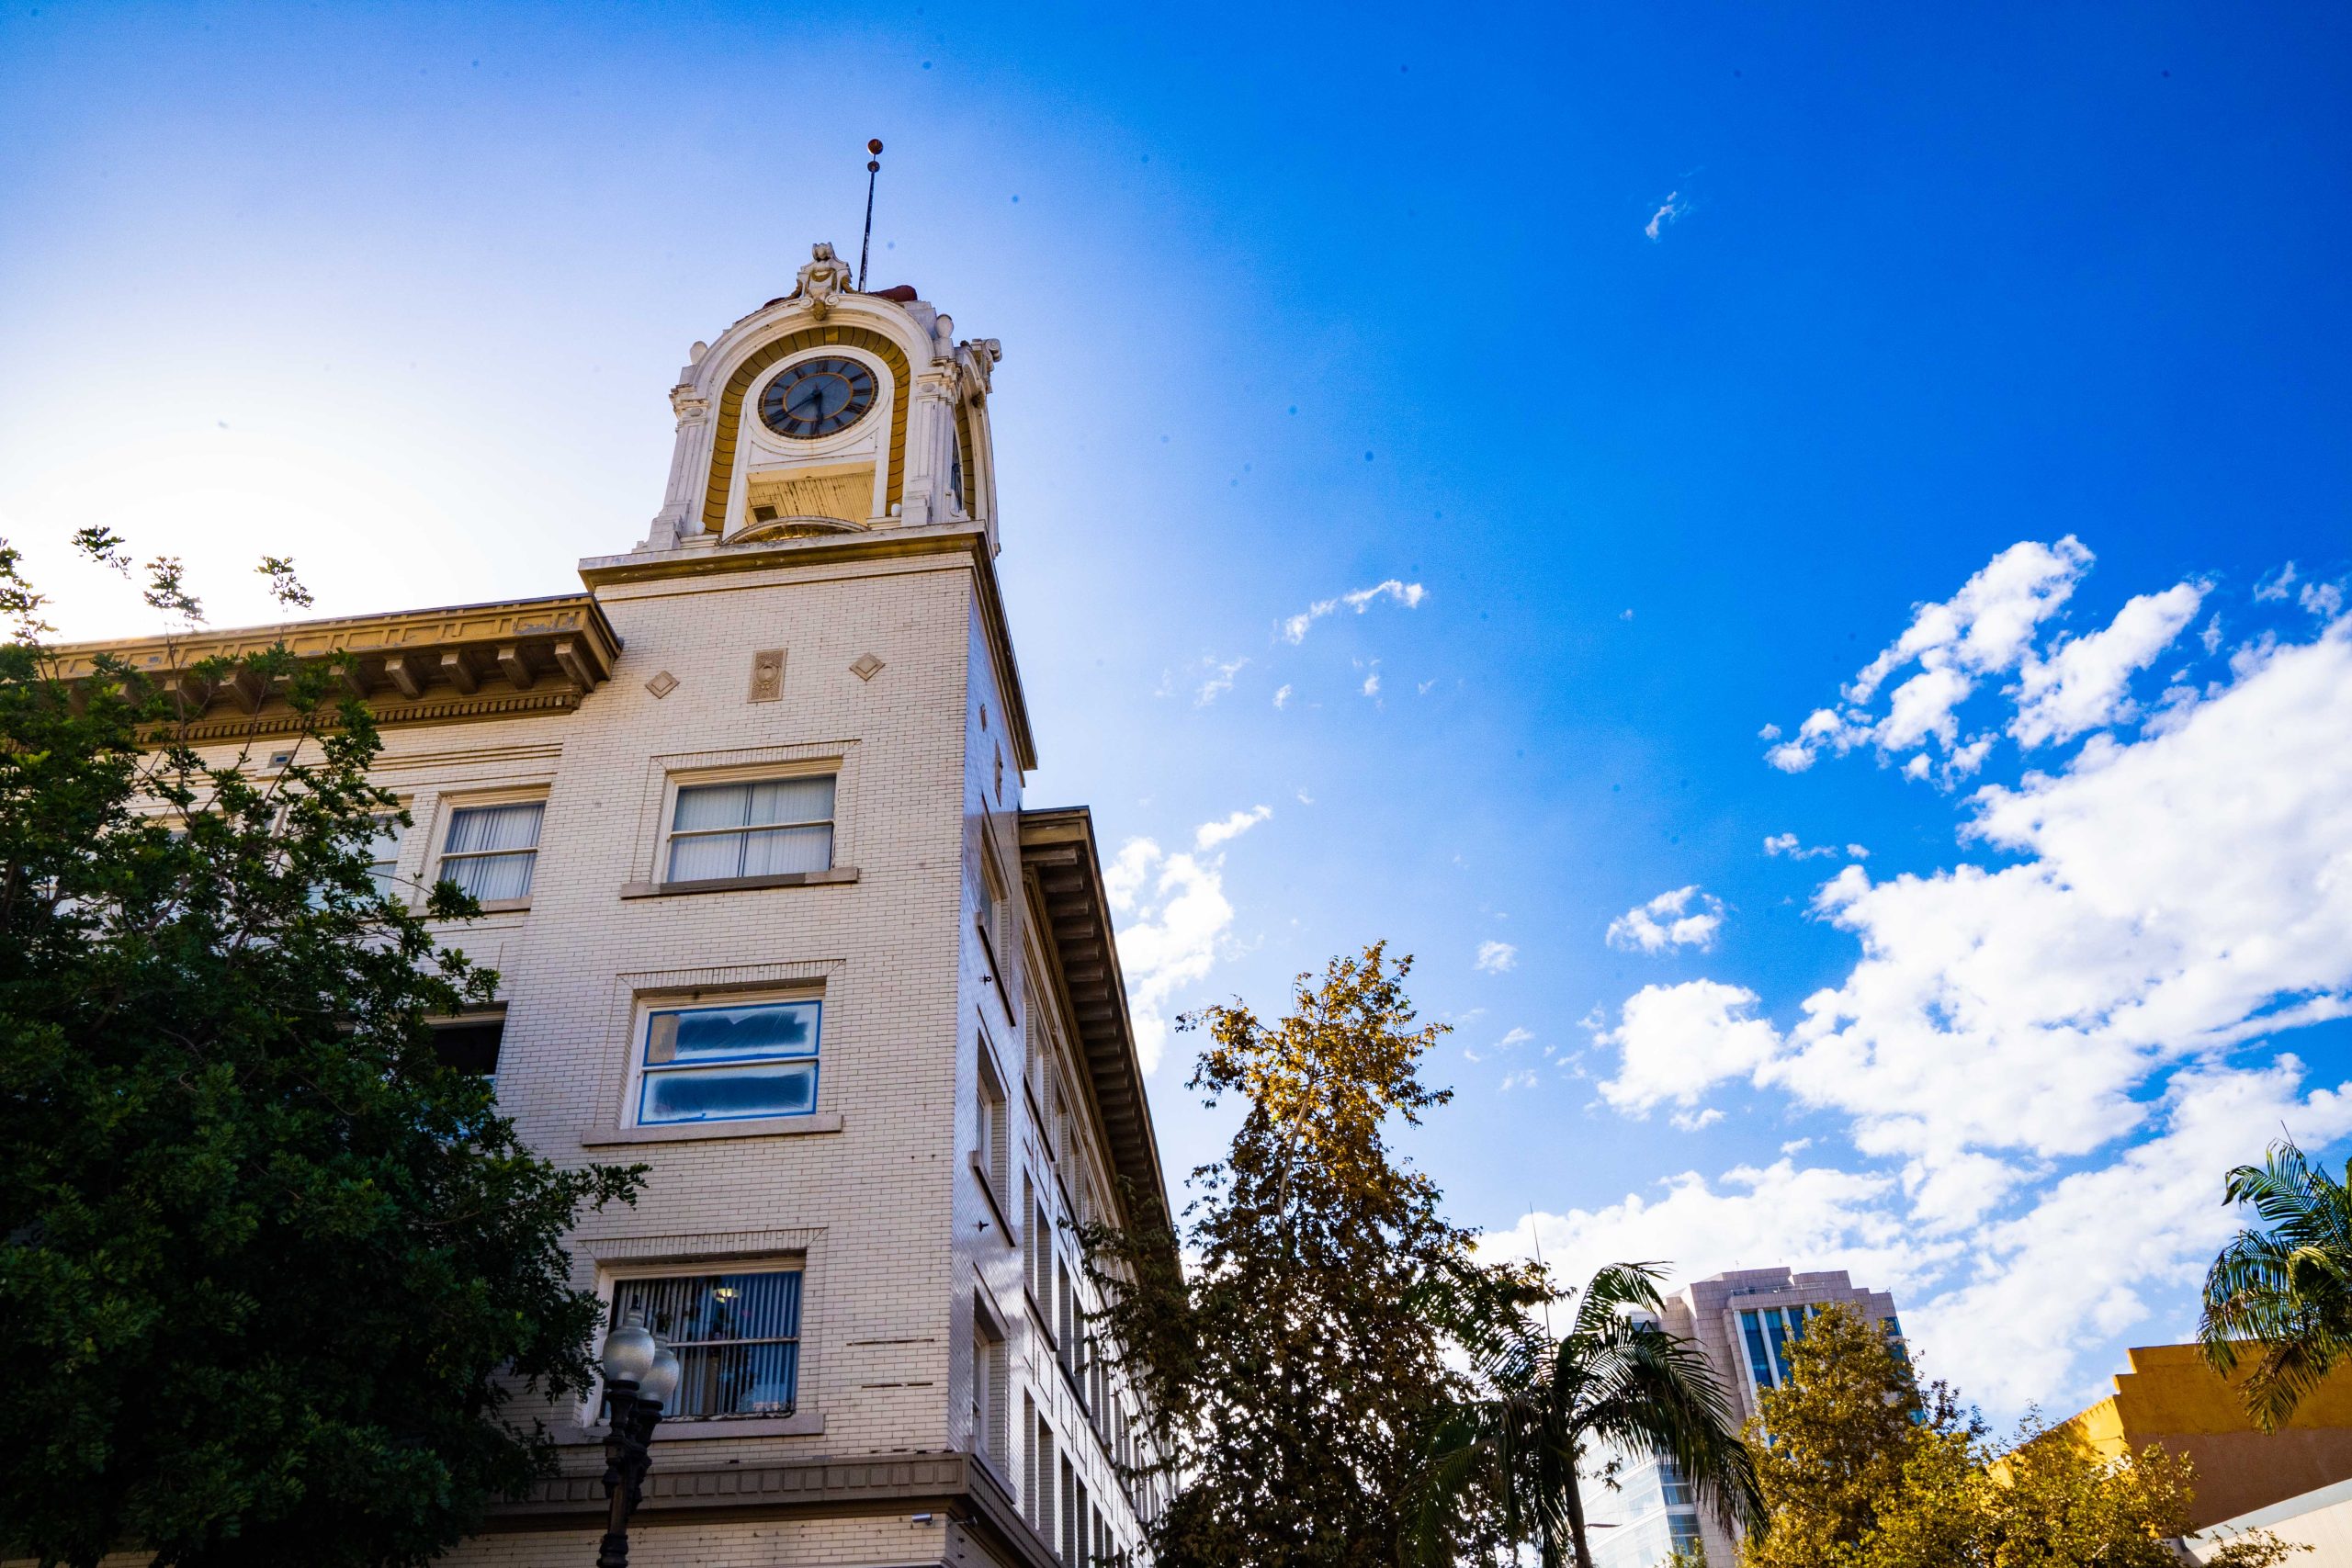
x,y
772,919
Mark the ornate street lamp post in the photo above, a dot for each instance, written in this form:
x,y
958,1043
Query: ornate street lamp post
x,y
641,1372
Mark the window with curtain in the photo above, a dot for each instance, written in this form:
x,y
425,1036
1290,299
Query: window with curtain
x,y
717,1063
736,1336
491,849
384,855
761,828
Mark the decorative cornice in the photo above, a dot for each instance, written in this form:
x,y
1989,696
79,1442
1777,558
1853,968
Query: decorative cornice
x,y
1058,848
435,666
882,544
956,1485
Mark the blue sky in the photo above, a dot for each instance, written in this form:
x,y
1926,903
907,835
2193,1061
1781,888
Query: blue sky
x,y
1663,358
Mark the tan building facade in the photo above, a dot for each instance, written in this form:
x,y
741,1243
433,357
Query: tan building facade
x,y
2173,1397
772,917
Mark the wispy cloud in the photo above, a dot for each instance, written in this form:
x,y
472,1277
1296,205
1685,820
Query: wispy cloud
x,y
1407,595
1209,835
1494,957
1669,211
1281,695
1666,921
1219,682
1787,844
1173,921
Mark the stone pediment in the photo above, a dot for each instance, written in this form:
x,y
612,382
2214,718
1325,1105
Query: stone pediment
x,y
464,662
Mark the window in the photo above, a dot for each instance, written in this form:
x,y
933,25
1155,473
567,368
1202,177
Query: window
x,y
1041,1478
763,828
718,1063
491,849
736,1336
989,1379
990,1145
471,1044
1040,1260
1071,1502
1066,1336
384,855
994,908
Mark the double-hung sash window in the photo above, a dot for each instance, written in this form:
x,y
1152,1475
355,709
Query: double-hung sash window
x,y
718,1063
761,828
736,1336
491,849
384,855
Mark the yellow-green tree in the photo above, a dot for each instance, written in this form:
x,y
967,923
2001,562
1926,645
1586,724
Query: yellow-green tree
x,y
1300,1364
1861,1467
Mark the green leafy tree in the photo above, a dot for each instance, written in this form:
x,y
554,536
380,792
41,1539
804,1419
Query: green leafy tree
x,y
1299,1367
1615,1380
270,1274
2282,1289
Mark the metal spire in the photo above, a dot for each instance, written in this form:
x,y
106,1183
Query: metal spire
x,y
873,167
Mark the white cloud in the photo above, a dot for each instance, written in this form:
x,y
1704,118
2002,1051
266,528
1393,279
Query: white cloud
x,y
2177,894
1219,682
1174,922
1209,835
2036,1051
1524,1078
1494,957
1693,1121
1407,594
1371,685
2321,598
1516,1036
2211,636
2277,585
2084,684
1677,1042
2101,1249
1769,732
1669,211
1789,845
1668,921
1281,694
1986,628
1753,1217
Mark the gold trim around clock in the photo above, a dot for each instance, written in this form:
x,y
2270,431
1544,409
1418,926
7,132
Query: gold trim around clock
x,y
731,410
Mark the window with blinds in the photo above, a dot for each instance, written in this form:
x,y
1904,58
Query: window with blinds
x,y
763,829
492,850
718,1063
384,855
736,1337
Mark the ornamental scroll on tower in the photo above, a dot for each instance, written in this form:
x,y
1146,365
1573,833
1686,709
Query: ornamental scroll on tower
x,y
830,411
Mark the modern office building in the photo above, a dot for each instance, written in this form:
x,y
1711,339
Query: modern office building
x,y
1744,1322
772,917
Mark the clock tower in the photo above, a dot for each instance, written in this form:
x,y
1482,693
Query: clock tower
x,y
829,412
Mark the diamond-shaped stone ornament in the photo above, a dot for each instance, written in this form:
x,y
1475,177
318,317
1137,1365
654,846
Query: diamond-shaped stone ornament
x,y
865,667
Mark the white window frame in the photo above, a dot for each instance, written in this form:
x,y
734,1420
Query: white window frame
x,y
676,782
641,1021
446,820
613,1276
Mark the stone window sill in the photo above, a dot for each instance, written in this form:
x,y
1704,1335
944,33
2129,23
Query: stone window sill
x,y
839,875
692,1131
799,1423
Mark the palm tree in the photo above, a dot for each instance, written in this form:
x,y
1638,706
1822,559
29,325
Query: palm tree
x,y
2284,1288
1613,1378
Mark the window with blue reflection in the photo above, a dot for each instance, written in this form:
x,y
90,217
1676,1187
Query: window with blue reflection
x,y
1776,1327
1759,1361
720,1064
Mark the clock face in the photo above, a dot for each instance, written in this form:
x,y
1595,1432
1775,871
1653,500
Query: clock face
x,y
818,397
